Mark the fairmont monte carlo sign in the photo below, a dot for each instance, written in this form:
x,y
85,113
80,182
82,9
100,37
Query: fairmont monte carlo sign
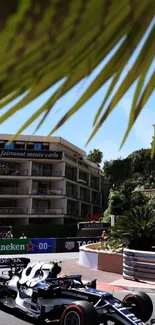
x,y
30,154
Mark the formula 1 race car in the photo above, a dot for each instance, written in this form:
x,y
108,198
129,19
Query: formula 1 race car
x,y
36,293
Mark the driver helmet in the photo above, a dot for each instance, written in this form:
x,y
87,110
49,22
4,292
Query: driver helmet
x,y
55,270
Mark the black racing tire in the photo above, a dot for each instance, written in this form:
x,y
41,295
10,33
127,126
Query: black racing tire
x,y
143,305
79,313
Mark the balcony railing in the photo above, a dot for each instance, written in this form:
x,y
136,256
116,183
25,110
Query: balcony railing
x,y
13,210
13,172
46,211
41,191
47,173
72,194
13,191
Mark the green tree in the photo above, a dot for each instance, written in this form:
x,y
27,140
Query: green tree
x,y
95,156
117,170
53,49
115,203
136,229
139,199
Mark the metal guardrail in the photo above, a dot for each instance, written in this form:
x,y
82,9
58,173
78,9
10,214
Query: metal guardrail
x,y
138,265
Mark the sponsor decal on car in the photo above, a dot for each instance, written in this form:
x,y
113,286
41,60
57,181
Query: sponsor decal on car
x,y
74,294
12,260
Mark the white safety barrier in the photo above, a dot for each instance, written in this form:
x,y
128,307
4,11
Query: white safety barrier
x,y
88,256
138,265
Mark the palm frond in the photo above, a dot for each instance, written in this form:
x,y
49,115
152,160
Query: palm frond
x,y
43,42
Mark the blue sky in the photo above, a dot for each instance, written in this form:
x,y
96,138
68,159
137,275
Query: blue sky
x,y
79,127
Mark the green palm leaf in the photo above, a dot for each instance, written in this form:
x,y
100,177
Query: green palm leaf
x,y
42,42
135,226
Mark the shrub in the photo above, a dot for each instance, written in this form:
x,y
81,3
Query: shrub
x,y
136,230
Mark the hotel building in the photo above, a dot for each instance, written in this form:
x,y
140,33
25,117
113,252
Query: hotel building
x,y
46,181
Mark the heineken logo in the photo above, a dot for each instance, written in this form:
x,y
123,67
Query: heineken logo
x,y
26,246
12,247
30,246
16,247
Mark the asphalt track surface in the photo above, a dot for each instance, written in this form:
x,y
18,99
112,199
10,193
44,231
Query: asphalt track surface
x,y
6,319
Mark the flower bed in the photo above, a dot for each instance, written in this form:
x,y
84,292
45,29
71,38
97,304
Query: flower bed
x,y
93,257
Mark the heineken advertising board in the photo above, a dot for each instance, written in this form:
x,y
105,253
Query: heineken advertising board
x,y
27,246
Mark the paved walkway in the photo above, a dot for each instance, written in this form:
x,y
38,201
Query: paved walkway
x,y
134,285
106,280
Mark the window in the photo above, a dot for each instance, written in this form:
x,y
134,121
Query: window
x,y
9,145
19,145
8,184
8,203
37,146
41,169
40,187
45,146
2,144
41,205
69,189
82,194
30,145
46,167
9,168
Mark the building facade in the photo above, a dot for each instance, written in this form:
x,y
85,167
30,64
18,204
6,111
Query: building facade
x,y
46,181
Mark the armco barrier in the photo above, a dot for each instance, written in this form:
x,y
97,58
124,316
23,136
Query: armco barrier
x,y
138,265
27,246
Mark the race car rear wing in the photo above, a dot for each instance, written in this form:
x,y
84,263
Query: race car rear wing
x,y
6,263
